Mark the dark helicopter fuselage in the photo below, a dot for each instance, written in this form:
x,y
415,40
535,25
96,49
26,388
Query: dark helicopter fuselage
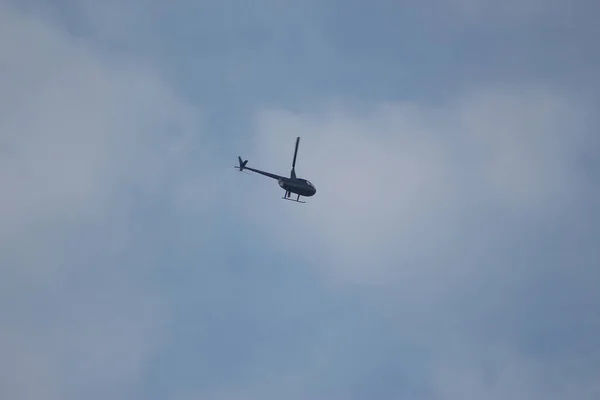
x,y
298,186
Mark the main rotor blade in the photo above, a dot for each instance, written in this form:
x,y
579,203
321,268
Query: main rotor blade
x,y
295,153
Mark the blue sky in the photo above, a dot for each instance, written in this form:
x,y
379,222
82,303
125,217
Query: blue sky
x,y
451,249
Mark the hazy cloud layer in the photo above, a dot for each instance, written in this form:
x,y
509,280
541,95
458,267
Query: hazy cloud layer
x,y
466,220
85,142
450,251
421,173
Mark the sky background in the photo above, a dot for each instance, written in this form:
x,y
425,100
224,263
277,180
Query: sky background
x,y
451,251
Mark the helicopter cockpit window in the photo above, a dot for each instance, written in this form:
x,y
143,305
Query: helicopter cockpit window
x,y
309,184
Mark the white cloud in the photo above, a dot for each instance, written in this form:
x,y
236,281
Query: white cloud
x,y
440,208
427,203
77,128
84,142
399,181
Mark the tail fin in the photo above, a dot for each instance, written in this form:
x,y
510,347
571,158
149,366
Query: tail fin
x,y
242,164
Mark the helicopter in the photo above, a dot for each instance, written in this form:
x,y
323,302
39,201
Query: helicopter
x,y
293,184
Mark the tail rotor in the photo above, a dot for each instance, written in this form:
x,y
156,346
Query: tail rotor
x,y
242,164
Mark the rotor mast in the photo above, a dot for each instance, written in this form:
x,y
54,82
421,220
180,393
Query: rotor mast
x,y
293,173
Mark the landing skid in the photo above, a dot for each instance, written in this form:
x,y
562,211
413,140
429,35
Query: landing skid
x,y
286,196
297,201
